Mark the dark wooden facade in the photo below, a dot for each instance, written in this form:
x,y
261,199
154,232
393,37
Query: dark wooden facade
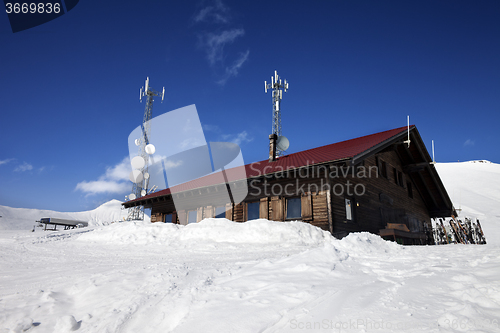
x,y
388,189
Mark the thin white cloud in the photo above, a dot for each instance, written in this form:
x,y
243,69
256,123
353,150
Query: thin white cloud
x,y
23,167
169,164
237,138
6,161
216,12
211,128
191,142
235,68
172,165
114,180
468,143
118,172
215,43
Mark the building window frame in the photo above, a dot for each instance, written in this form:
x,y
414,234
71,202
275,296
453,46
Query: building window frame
x,y
220,210
349,209
382,167
294,203
191,214
253,210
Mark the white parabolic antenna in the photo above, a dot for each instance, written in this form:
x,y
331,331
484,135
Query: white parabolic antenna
x,y
131,196
143,192
135,176
282,143
150,149
137,142
138,162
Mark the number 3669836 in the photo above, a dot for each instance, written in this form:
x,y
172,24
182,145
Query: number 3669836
x,y
32,8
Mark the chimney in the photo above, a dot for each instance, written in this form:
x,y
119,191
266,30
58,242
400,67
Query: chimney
x,y
272,147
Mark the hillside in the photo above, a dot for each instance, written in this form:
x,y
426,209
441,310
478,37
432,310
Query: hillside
x,y
474,187
24,218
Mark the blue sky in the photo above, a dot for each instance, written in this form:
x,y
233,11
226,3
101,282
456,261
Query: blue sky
x,y
69,88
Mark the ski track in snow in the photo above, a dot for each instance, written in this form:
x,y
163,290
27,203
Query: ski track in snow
x,y
259,276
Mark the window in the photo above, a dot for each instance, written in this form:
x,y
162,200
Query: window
x,y
348,209
253,210
401,180
293,208
192,216
382,167
220,212
398,178
168,218
410,190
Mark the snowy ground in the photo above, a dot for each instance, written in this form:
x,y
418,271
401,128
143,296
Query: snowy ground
x,y
259,276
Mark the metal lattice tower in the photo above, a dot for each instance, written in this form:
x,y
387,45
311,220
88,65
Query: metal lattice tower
x,y
140,188
277,88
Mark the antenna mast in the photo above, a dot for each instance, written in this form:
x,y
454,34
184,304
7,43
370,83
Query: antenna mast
x,y
277,87
408,141
433,160
141,161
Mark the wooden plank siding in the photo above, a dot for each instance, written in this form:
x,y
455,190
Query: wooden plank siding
x,y
384,199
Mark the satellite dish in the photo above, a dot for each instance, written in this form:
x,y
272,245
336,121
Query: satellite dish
x,y
138,162
282,143
150,149
143,193
146,175
135,176
137,142
131,196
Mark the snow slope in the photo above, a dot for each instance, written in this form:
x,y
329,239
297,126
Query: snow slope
x,y
474,187
24,219
258,276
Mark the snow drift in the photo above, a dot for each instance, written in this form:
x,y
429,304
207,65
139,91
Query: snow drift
x,y
210,231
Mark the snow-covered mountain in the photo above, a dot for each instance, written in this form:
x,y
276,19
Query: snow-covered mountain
x,y
24,218
474,188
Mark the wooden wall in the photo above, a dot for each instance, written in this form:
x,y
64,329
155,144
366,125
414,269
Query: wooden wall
x,y
384,199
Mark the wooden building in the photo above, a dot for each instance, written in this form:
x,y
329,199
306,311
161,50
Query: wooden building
x,y
376,183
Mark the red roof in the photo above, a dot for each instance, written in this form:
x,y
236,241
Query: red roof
x,y
329,153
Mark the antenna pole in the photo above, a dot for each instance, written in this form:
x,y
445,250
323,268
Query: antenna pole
x,y
277,89
140,189
408,141
433,160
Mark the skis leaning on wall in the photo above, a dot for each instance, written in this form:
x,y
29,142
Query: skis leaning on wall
x,y
462,232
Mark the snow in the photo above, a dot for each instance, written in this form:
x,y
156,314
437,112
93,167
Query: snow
x,y
474,187
211,233
24,219
258,276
